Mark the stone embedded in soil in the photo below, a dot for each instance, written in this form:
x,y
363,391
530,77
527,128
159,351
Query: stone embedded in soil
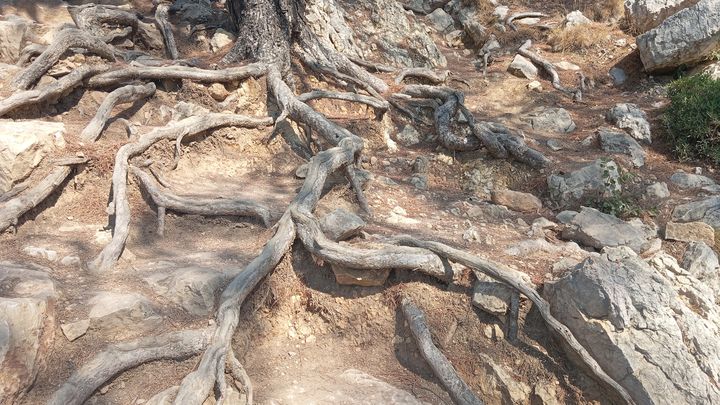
x,y
440,20
591,227
620,142
341,224
74,330
12,37
364,278
40,252
632,119
690,232
194,288
618,76
221,39
516,200
408,136
690,181
707,210
565,65
117,313
218,91
657,191
523,68
491,296
550,119
497,382
597,179
575,18
23,145
544,394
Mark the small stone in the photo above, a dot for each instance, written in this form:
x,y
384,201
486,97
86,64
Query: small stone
x,y
534,86
690,232
420,181
517,201
421,165
554,144
448,160
408,136
576,18
523,68
620,142
498,333
302,170
74,330
364,278
440,20
632,119
70,261
618,76
221,39
501,12
341,225
40,252
657,191
691,181
564,65
218,91
491,296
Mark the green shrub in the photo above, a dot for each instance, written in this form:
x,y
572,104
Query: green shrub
x,y
693,118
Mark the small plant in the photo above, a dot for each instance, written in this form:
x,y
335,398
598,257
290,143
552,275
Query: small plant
x,y
693,118
616,200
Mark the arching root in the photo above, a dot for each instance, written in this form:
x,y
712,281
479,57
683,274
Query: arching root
x,y
122,95
525,51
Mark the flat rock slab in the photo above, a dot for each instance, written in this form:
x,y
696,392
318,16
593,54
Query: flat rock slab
x,y
707,210
516,200
645,15
523,68
363,278
691,181
548,119
620,142
491,296
194,288
690,232
341,224
685,38
591,227
117,313
649,329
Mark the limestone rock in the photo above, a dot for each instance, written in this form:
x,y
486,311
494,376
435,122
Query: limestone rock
x,y
591,227
620,142
12,38
648,329
117,313
74,330
618,76
550,120
27,326
632,119
690,232
440,20
702,262
657,191
218,91
517,201
565,65
194,288
685,38
196,12
341,225
644,15
497,382
598,178
575,18
491,296
689,180
707,210
23,145
523,68
408,136
221,39
365,278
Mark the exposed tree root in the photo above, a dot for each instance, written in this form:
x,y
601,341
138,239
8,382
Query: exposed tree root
x,y
161,19
125,94
122,356
517,16
120,207
49,92
30,52
166,199
380,105
459,391
524,50
502,143
423,73
511,277
125,74
377,67
93,18
64,40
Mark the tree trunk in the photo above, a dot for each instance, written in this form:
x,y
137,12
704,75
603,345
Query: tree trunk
x,y
266,29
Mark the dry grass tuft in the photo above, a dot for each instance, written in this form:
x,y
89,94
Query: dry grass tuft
x,y
579,38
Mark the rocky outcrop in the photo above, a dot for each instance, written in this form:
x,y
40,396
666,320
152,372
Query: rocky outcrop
x,y
689,36
117,314
27,326
620,142
194,288
547,119
23,145
648,329
690,232
707,210
12,37
596,179
702,262
644,15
